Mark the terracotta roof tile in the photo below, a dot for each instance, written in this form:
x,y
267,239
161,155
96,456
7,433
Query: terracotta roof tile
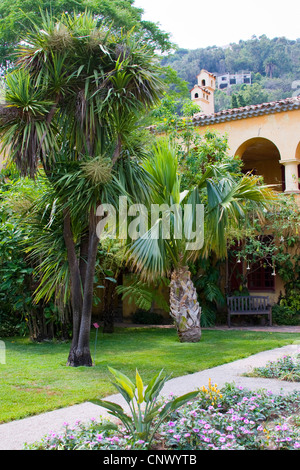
x,y
244,112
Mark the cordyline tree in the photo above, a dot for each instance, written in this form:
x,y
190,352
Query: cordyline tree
x,y
71,105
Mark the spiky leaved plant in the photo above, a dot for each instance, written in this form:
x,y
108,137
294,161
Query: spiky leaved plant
x,y
77,93
147,412
223,202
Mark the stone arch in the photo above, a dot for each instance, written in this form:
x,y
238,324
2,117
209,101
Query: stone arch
x,y
262,157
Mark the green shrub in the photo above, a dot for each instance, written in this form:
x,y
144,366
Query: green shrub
x,y
143,317
284,315
285,368
144,420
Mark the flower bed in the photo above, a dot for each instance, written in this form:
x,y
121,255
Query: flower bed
x,y
228,419
286,368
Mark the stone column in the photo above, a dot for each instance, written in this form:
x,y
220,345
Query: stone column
x,y
291,175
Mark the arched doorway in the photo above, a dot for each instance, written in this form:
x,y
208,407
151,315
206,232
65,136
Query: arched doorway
x,y
261,157
297,155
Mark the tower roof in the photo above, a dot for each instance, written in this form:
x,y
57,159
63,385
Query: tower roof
x,y
208,73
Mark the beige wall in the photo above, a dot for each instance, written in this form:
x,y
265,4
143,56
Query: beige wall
x,y
266,143
283,129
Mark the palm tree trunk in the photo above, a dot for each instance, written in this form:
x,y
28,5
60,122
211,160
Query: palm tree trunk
x,y
184,306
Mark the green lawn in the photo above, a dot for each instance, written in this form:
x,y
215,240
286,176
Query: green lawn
x,y
36,379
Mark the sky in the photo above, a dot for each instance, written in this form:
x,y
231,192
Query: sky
x,y
201,23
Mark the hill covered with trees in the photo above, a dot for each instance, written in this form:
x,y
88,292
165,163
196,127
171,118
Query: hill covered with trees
x,y
274,65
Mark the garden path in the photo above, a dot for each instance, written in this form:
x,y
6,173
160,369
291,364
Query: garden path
x,y
14,434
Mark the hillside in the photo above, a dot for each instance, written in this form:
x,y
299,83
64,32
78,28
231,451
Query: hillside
x,y
274,65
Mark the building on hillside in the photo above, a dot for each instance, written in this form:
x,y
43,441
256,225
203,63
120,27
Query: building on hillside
x,y
203,92
226,80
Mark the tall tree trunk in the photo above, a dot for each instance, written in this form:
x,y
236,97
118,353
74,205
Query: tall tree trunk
x,y
108,306
82,273
184,306
76,292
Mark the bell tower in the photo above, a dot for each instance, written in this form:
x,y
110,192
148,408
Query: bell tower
x,y
203,92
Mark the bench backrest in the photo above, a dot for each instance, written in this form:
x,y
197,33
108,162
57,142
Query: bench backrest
x,y
247,303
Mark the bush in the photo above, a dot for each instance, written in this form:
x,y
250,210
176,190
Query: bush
x,y
235,419
143,317
286,368
284,315
9,325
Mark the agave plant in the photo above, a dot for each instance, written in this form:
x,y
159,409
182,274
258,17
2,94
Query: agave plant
x,y
147,412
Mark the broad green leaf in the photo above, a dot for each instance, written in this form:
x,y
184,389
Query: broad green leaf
x,y
140,387
179,401
109,405
124,382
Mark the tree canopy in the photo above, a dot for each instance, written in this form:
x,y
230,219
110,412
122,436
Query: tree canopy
x,y
17,17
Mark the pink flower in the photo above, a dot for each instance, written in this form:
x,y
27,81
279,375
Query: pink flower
x,y
96,325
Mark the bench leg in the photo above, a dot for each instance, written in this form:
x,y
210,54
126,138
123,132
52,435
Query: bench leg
x,y
228,320
270,319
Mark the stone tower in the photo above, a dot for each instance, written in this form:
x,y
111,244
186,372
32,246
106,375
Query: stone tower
x,y
203,93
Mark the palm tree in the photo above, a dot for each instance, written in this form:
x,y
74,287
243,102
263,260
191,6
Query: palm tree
x,y
224,202
71,105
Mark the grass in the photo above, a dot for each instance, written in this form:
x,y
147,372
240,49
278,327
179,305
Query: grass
x,y
35,377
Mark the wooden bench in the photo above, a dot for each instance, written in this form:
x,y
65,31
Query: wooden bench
x,y
248,305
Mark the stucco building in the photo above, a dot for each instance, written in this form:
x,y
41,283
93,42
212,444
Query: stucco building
x,y
266,137
203,92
